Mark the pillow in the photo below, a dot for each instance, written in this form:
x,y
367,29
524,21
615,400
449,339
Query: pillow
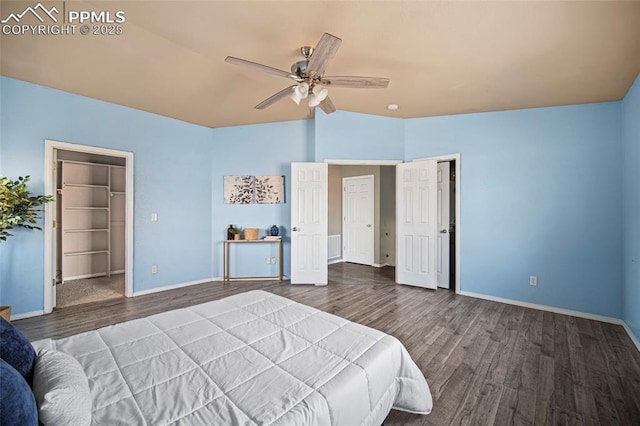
x,y
40,345
16,350
61,389
17,406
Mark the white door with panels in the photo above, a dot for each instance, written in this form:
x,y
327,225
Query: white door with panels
x,y
357,219
309,223
443,219
416,208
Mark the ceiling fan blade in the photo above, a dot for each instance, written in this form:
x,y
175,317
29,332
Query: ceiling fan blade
x,y
260,67
275,98
356,82
327,106
324,51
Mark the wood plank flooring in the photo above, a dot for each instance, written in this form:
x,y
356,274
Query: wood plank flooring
x,y
486,362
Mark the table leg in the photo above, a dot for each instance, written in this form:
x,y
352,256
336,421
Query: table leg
x,y
225,277
280,260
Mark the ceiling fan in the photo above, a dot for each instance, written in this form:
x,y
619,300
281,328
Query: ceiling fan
x,y
309,75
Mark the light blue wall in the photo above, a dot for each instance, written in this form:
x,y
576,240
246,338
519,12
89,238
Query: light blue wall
x,y
353,136
631,206
541,190
540,196
172,160
265,149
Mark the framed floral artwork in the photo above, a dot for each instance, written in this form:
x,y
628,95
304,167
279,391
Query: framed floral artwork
x,y
254,189
269,189
238,189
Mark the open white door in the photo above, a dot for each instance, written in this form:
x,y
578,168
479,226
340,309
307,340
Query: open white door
x,y
443,219
309,223
416,189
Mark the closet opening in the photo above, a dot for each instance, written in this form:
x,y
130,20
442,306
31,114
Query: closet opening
x,y
90,222
88,236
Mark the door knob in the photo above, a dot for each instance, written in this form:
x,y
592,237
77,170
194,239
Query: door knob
x,y
444,231
295,229
368,225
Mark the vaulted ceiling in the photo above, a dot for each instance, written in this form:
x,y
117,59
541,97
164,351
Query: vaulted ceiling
x,y
442,57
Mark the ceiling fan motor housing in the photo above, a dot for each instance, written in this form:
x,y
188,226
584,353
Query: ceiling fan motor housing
x,y
300,68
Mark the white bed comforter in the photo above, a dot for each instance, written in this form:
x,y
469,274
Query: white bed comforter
x,y
252,358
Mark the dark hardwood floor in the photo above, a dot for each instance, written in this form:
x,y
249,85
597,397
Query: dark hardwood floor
x,y
486,362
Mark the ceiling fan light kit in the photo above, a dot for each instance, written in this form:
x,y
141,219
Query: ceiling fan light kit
x,y
318,95
309,75
300,92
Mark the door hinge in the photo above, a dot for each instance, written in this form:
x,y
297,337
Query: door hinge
x,y
54,223
53,282
55,165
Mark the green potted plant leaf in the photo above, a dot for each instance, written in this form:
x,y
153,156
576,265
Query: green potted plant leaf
x,y
19,208
236,232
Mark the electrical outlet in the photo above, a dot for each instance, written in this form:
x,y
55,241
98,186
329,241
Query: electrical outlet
x,y
154,217
533,280
267,260
154,269
273,260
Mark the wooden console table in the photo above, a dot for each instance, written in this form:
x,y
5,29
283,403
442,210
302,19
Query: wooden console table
x,y
226,277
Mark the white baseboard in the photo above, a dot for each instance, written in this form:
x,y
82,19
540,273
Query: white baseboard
x,y
380,265
174,286
15,317
562,311
119,271
632,336
336,260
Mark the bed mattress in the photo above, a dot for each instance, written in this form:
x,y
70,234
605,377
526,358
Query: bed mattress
x,y
252,358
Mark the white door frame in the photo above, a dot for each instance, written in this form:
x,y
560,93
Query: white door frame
x,y
372,209
50,214
453,157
